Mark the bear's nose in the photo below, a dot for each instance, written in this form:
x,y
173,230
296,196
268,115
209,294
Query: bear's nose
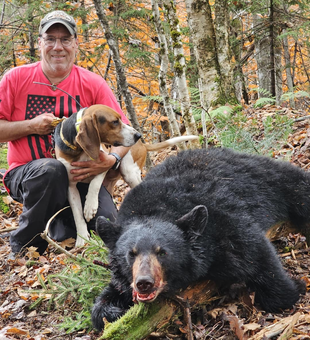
x,y
145,284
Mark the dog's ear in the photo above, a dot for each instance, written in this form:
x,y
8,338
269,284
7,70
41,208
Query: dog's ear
x,y
108,231
194,222
88,136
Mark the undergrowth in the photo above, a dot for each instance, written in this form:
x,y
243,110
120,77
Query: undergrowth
x,y
5,208
76,287
235,130
3,156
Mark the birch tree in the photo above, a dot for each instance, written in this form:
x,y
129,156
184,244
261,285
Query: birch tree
x,y
206,52
179,68
162,76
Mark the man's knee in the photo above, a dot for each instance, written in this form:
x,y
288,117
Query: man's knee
x,y
50,169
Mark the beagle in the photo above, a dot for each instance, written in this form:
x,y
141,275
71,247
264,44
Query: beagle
x,y
82,136
78,138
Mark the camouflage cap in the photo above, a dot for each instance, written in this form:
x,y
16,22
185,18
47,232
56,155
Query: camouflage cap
x,y
58,17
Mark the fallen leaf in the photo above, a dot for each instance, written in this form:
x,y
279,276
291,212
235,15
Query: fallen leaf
x,y
16,331
33,313
68,243
7,200
47,331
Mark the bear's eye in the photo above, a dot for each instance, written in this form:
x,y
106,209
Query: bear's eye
x,y
132,254
161,252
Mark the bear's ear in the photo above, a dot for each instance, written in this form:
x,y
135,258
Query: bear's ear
x,y
108,231
194,222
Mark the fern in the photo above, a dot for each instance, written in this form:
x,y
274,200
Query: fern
x,y
292,95
77,286
237,132
264,101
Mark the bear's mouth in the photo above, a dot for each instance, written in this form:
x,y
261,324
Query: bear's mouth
x,y
144,297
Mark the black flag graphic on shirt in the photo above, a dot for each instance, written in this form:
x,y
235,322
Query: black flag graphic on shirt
x,y
37,105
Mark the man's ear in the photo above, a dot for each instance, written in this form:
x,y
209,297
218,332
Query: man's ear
x,y
194,222
108,231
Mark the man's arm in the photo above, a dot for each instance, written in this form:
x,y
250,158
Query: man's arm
x,y
40,125
93,168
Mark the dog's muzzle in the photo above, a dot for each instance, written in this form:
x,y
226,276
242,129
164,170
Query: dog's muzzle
x,y
137,136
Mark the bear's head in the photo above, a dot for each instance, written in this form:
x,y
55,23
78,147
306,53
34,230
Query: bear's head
x,y
154,255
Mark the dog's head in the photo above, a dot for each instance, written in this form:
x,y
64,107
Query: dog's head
x,y
101,124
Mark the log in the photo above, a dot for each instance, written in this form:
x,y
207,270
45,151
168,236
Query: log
x,y
144,318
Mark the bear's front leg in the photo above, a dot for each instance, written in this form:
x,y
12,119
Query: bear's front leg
x,y
111,304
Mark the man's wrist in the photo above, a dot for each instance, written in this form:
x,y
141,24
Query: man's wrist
x,y
117,160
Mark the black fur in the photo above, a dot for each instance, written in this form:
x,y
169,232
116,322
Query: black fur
x,y
69,133
208,211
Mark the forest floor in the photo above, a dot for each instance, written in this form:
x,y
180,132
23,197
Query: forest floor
x,y
230,316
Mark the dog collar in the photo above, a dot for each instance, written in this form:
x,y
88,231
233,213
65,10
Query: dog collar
x,y
69,145
79,116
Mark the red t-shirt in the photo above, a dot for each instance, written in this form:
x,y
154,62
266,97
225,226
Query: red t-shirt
x,y
21,99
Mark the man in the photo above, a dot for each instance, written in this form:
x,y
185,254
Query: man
x,y
27,110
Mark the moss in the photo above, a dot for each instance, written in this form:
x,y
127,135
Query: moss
x,y
3,156
176,45
175,35
178,68
4,207
133,323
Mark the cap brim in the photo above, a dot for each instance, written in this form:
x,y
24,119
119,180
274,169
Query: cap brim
x,y
56,21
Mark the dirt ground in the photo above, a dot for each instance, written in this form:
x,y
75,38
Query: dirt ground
x,y
231,315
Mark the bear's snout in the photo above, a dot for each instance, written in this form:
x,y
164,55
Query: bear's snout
x,y
145,284
147,277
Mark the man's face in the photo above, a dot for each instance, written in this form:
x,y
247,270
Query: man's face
x,y
57,59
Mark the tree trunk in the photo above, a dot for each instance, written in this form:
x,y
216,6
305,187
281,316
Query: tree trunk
x,y
121,77
179,68
30,17
203,34
287,60
272,51
162,76
262,53
221,26
278,71
268,55
2,13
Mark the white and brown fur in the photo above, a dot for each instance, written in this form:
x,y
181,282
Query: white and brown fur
x,y
101,125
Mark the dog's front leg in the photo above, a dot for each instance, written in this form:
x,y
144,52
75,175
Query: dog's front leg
x,y
77,210
92,197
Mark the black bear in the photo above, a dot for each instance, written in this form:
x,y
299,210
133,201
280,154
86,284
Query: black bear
x,y
201,215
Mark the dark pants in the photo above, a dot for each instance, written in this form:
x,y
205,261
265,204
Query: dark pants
x,y
42,187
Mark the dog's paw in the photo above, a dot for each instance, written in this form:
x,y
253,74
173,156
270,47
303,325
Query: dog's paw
x,y
79,242
90,208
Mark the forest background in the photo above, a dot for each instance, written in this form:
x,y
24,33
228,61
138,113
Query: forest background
x,y
184,65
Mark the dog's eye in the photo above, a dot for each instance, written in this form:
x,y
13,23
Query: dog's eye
x,y
115,122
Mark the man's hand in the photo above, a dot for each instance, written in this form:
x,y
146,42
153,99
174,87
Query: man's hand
x,y
89,169
42,124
